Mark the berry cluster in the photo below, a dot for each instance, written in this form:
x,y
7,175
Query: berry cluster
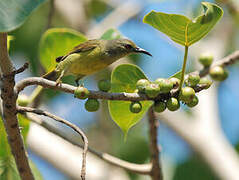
x,y
162,87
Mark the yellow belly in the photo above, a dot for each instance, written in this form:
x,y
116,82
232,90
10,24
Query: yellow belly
x,y
85,65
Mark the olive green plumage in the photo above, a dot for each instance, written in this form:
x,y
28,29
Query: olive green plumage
x,y
92,56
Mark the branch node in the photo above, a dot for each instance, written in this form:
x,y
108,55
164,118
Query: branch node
x,y
17,71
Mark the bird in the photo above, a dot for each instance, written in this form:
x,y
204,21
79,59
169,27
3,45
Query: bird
x,y
90,57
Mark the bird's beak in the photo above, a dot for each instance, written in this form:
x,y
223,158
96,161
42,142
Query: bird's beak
x,y
140,50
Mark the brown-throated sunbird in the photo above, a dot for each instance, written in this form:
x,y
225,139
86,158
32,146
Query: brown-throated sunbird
x,y
90,57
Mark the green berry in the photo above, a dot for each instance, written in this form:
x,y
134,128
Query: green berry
x,y
205,81
141,84
206,59
218,73
225,75
92,105
193,103
173,104
81,92
152,90
22,100
159,106
175,82
159,80
135,107
136,91
186,94
104,85
193,79
165,85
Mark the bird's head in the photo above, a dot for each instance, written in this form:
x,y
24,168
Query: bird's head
x,y
123,47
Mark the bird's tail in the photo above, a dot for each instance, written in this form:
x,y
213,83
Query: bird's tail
x,y
52,75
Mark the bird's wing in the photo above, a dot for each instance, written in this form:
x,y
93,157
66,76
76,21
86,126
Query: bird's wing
x,y
83,47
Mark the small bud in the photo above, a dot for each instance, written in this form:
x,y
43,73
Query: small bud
x,y
92,105
186,94
135,107
104,85
141,85
218,73
152,90
159,106
173,104
206,59
81,92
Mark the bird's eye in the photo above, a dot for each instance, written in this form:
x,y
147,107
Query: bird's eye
x,y
128,46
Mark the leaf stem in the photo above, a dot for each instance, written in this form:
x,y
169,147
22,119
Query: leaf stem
x,y
184,67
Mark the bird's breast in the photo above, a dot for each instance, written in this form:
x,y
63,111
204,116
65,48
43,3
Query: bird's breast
x,y
86,64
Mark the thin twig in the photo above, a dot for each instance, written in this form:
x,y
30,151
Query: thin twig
x,y
136,168
61,120
94,94
156,172
17,71
10,120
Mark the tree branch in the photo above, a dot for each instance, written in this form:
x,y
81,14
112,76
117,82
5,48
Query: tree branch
x,y
136,168
10,120
156,171
95,94
61,120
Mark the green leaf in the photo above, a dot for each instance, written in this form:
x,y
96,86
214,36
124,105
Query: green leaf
x,y
13,13
5,149
24,123
8,169
177,75
124,79
183,30
111,34
57,42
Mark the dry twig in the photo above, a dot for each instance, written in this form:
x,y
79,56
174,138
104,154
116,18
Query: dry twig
x,y
61,120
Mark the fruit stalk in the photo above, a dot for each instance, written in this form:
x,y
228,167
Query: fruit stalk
x,y
184,67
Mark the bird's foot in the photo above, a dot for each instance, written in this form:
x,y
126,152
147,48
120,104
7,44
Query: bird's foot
x,y
58,82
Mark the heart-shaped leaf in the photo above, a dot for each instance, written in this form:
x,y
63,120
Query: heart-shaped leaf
x,y
111,34
13,13
57,42
124,79
183,30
